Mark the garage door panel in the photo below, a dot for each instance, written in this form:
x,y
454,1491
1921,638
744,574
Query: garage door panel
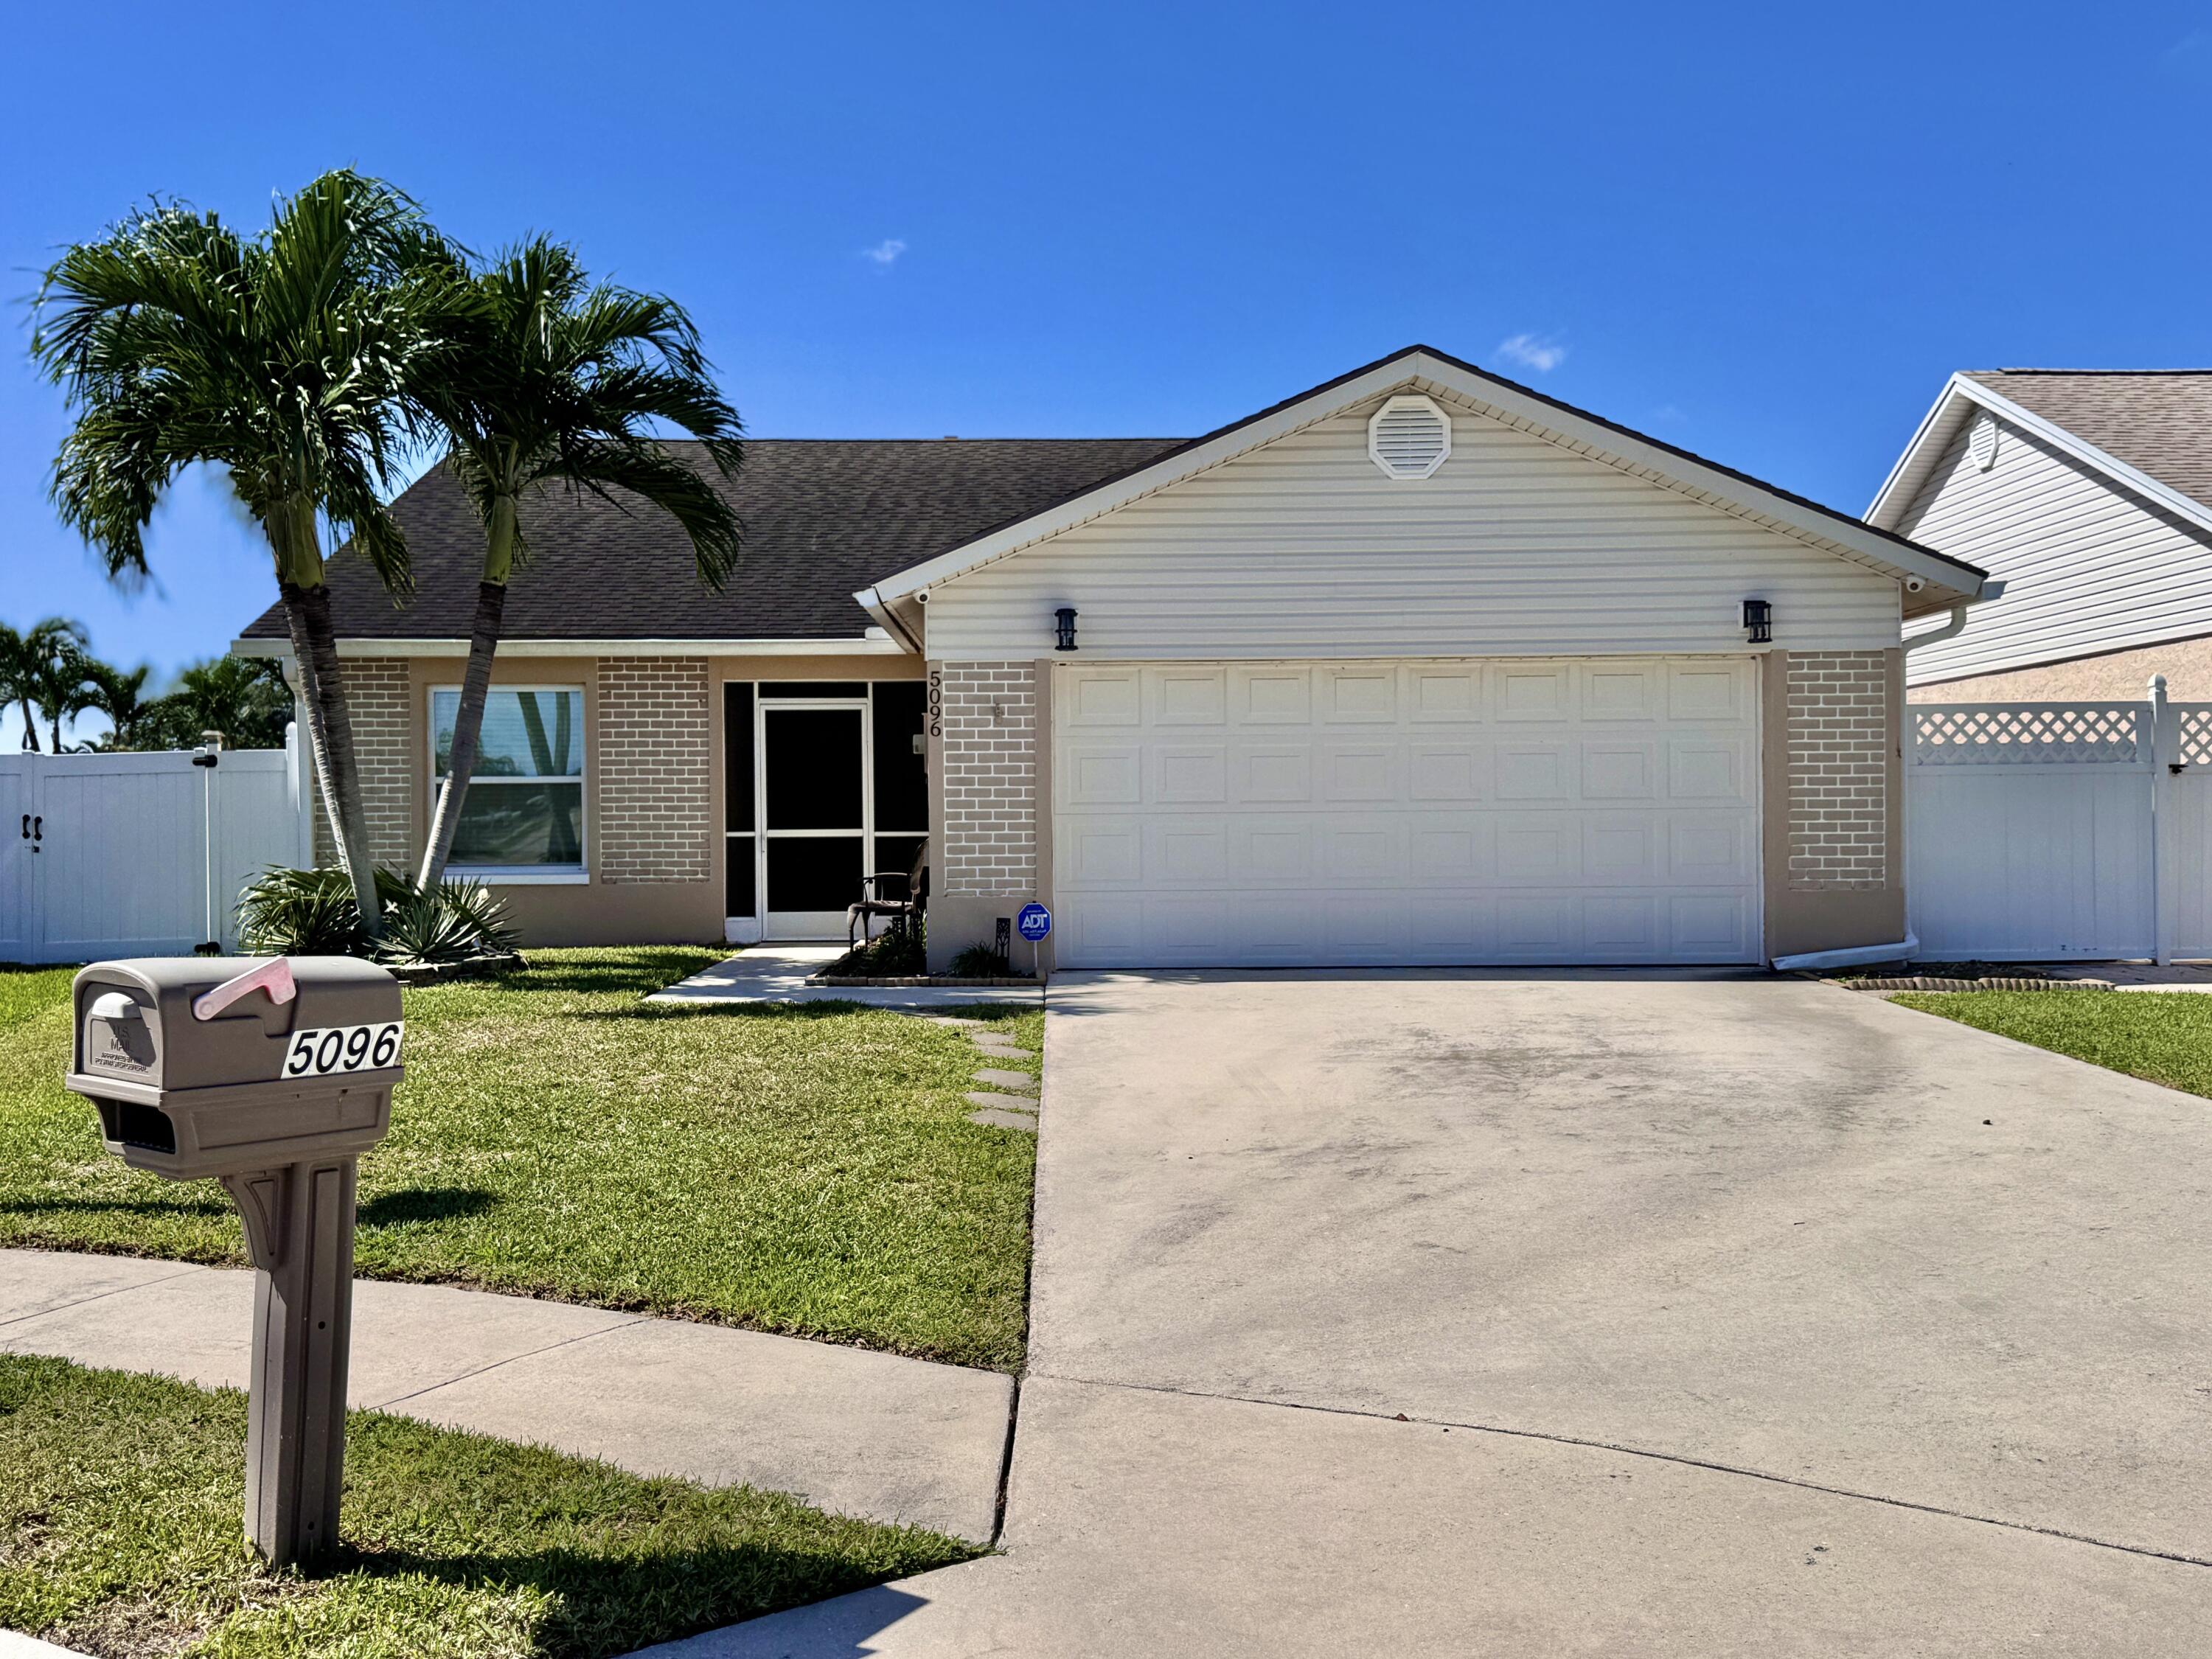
x,y
1543,811
1090,698
1187,696
1626,692
1614,769
1093,774
1355,774
1521,692
1536,771
1359,696
1267,773
1184,774
1709,768
1272,697
1447,771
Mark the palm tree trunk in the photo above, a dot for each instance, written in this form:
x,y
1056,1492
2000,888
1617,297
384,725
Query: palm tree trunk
x,y
468,729
330,734
30,728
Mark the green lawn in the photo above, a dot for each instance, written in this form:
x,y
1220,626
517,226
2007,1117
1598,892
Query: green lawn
x,y
120,1535
807,1170
2163,1035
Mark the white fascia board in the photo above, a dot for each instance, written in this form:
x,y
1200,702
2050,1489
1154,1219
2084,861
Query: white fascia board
x,y
1538,414
1909,472
2136,483
857,646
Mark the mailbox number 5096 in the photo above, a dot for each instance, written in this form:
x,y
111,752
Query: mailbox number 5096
x,y
344,1048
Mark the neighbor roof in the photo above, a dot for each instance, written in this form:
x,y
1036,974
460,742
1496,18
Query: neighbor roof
x,y
2147,430
822,516
2157,421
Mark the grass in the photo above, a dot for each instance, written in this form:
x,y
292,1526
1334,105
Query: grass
x,y
805,1170
120,1499
2162,1036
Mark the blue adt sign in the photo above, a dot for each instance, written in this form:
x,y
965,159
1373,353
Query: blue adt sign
x,y
1034,922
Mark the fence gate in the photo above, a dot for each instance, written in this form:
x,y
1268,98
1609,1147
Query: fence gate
x,y
2043,830
109,855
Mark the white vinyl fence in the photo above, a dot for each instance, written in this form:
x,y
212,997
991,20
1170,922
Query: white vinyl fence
x,y
109,855
2042,831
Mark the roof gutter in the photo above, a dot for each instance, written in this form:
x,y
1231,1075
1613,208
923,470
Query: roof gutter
x,y
1993,588
871,600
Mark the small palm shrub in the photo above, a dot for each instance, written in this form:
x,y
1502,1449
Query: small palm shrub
x,y
980,961
311,913
444,927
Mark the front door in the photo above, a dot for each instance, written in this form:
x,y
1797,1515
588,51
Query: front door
x,y
815,768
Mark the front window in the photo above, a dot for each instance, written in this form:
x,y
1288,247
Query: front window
x,y
525,808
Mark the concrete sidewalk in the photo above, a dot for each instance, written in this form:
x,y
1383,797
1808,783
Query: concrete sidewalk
x,y
851,1431
778,973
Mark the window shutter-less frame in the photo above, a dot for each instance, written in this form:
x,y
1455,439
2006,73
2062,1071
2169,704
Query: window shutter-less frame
x,y
1409,437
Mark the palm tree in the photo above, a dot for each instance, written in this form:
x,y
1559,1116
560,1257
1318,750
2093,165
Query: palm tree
x,y
115,693
17,682
551,380
57,672
243,698
278,356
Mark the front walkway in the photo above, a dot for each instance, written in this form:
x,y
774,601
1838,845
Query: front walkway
x,y
778,973
860,1433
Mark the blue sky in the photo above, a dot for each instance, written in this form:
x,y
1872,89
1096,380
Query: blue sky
x,y
1763,233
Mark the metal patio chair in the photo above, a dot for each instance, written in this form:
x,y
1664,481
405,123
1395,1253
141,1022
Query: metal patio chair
x,y
901,911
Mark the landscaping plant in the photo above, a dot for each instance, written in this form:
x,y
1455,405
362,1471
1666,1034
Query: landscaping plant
x,y
312,912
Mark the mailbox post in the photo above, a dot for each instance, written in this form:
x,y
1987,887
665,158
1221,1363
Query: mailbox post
x,y
272,1076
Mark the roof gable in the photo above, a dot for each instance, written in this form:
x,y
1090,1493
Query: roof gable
x,y
1420,368
2147,432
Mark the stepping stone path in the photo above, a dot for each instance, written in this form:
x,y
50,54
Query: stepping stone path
x,y
1010,1101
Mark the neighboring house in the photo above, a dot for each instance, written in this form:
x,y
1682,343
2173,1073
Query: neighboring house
x,y
1418,666
2088,493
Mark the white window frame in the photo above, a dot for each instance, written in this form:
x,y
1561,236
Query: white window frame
x,y
522,875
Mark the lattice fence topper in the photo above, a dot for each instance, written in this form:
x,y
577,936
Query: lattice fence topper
x,y
2193,733
2029,735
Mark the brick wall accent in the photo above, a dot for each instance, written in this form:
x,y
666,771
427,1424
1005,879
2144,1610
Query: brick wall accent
x,y
378,695
653,764
988,755
1840,738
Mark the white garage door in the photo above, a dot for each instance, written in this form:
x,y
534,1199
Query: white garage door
x,y
1560,809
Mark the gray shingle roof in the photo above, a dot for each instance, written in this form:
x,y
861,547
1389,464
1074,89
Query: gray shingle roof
x,y
2157,421
823,517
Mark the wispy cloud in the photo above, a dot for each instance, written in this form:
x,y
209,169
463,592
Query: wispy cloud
x,y
2189,58
1535,351
885,252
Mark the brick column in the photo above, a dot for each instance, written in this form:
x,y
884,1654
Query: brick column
x,y
988,752
653,770
378,698
1840,738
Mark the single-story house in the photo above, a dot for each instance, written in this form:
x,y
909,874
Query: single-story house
x,y
2088,493
1419,666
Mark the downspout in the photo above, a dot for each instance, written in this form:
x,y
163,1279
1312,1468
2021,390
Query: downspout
x,y
1908,947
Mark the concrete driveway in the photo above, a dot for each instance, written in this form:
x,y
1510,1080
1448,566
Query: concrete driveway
x,y
1723,1314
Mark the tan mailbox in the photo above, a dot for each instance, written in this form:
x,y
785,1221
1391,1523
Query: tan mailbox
x,y
271,1075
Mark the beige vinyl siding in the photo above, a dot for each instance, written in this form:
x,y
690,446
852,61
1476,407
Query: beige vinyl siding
x,y
1516,546
2087,566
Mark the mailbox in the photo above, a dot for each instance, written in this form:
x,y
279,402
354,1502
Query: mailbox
x,y
272,1076
254,1084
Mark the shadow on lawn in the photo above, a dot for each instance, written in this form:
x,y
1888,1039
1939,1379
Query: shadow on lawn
x,y
412,1204
617,1602
152,1204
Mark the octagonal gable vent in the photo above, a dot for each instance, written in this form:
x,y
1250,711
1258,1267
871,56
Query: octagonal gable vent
x,y
1409,437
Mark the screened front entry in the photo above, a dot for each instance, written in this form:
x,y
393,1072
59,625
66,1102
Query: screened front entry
x,y
825,783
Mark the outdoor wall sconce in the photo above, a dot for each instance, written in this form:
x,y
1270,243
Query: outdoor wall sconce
x,y
1063,629
1758,621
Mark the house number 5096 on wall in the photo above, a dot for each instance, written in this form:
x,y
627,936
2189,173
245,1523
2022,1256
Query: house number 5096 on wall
x,y
344,1048
936,703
